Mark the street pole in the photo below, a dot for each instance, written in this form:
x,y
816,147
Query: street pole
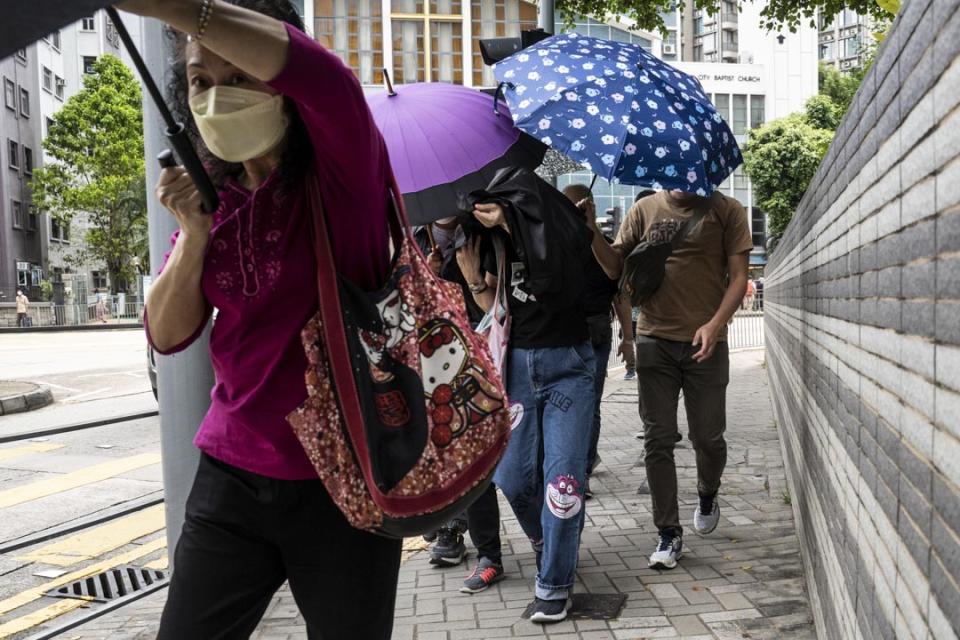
x,y
184,380
545,19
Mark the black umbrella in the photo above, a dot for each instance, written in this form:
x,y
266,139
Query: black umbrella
x,y
27,21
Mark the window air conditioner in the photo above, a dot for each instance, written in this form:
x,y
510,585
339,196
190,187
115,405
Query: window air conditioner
x,y
669,49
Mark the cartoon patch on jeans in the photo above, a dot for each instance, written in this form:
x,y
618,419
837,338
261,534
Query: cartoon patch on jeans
x,y
459,395
563,497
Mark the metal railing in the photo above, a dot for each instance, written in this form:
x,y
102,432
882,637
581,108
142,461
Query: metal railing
x,y
47,314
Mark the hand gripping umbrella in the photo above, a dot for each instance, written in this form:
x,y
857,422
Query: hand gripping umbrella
x,y
25,22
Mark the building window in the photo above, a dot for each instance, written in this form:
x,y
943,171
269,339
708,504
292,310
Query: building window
x,y
427,41
59,229
32,219
739,115
55,39
497,19
88,62
826,51
13,154
24,103
23,275
59,84
49,124
353,29
99,279
722,102
54,229
851,47
88,24
47,80
27,160
17,208
698,25
758,226
10,94
741,186
757,116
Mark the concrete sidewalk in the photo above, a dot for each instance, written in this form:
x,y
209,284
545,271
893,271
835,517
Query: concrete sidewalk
x,y
743,581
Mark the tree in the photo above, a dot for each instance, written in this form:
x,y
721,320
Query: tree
x,y
781,158
776,14
838,86
822,112
96,142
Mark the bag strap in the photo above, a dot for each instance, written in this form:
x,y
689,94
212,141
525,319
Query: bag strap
x,y
332,315
699,213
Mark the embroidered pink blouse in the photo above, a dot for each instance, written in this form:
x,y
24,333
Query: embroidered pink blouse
x,y
260,272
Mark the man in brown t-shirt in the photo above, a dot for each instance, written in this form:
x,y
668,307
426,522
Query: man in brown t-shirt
x,y
681,345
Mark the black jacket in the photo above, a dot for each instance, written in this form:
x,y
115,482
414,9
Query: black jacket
x,y
547,232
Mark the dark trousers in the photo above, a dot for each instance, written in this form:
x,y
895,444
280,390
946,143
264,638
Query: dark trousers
x,y
21,319
483,523
664,368
245,534
601,339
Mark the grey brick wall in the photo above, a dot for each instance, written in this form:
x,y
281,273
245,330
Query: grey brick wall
x,y
863,337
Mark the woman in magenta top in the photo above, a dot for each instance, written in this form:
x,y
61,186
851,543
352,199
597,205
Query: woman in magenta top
x,y
270,109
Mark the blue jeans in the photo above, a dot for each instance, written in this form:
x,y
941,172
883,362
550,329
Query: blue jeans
x,y
545,467
602,342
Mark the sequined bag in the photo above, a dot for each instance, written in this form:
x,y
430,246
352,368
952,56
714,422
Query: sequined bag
x,y
406,416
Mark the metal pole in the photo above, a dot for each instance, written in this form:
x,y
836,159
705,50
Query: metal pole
x,y
545,19
184,379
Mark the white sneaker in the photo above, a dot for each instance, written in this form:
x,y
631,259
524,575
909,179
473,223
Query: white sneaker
x,y
707,515
668,551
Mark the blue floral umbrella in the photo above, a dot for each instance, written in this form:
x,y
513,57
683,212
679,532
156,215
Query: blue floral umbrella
x,y
621,112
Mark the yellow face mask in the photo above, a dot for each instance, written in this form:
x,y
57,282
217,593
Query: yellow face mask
x,y
239,124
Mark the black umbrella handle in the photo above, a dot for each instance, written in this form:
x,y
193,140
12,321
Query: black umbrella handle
x,y
498,94
176,133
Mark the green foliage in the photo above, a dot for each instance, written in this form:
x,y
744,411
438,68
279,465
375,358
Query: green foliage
x,y
96,142
46,289
781,158
839,87
822,113
776,14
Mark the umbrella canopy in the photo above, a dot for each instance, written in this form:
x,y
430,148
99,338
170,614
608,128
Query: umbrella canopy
x,y
26,22
626,115
445,140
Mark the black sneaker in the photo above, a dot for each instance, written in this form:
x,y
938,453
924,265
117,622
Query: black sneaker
x,y
549,611
587,491
430,537
485,574
449,550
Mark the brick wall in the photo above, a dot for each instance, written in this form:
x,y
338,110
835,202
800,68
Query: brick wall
x,y
863,337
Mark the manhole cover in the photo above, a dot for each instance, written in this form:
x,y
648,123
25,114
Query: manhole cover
x,y
111,584
592,606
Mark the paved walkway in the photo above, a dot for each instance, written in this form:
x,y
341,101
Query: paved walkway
x,y
743,581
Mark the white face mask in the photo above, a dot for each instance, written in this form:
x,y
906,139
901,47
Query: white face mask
x,y
239,124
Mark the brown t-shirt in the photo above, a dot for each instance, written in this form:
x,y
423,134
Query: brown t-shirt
x,y
696,272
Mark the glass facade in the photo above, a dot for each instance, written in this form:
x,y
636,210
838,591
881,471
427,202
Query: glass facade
x,y
597,29
497,19
353,29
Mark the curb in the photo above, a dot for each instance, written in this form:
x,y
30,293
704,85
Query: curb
x,y
66,328
37,398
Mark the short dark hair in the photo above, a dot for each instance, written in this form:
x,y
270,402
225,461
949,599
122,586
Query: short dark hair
x,y
643,194
577,192
298,154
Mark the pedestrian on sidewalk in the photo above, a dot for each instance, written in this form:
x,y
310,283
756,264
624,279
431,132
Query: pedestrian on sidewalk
x,y
681,345
456,259
101,308
550,376
269,109
601,300
23,303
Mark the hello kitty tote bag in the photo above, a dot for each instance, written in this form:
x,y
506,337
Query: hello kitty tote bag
x,y
406,416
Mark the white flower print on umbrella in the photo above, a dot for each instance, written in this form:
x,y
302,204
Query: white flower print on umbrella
x,y
625,104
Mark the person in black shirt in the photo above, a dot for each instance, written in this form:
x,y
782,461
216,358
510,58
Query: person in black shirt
x,y
482,518
550,382
600,297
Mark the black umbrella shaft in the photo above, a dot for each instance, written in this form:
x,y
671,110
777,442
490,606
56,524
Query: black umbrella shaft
x,y
142,68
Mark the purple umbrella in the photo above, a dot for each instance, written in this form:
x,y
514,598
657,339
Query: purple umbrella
x,y
444,140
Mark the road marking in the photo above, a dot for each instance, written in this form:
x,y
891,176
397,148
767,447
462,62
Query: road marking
x,y
40,447
40,616
28,596
74,479
108,374
84,395
99,540
58,386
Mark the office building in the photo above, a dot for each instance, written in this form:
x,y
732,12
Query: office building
x,y
843,39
